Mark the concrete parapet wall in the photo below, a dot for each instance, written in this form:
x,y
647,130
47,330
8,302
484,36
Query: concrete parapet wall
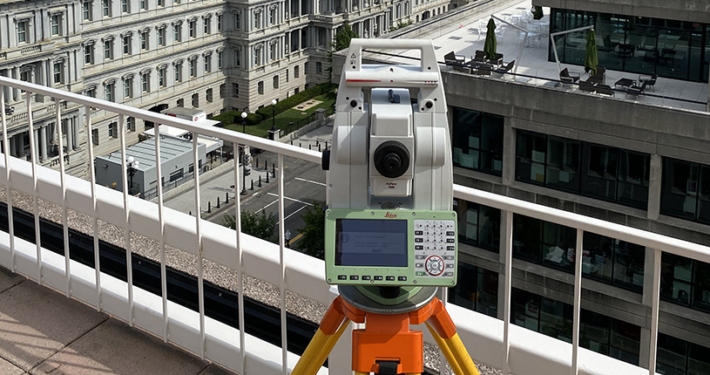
x,y
688,10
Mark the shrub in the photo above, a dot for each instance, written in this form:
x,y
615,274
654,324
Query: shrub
x,y
291,101
235,117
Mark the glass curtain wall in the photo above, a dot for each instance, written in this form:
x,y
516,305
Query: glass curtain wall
x,y
679,357
685,282
476,289
685,192
673,49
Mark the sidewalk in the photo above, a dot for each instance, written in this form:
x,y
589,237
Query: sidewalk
x,y
43,332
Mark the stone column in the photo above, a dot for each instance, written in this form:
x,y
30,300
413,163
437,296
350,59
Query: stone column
x,y
43,143
16,92
300,8
508,161
21,144
501,259
647,301
70,141
36,136
654,187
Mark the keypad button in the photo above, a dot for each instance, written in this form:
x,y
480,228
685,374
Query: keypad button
x,y
342,277
366,277
420,257
450,265
418,232
378,278
418,247
390,278
354,277
450,240
420,273
451,248
448,257
402,278
450,233
419,240
419,265
448,274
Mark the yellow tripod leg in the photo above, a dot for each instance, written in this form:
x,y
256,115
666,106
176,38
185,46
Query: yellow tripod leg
x,y
311,353
447,352
360,373
326,349
459,351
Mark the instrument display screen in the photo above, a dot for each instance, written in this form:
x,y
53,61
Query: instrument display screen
x,y
373,243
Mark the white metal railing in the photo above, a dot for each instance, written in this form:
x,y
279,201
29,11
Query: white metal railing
x,y
495,342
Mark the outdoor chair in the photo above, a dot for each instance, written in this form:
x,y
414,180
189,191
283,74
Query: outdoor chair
x,y
649,80
498,60
567,77
589,85
504,69
605,90
608,46
635,90
480,56
598,78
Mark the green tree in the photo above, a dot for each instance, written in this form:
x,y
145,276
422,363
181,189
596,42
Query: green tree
x,y
256,224
312,241
343,37
537,12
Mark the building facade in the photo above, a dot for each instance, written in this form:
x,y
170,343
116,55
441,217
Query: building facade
x,y
157,54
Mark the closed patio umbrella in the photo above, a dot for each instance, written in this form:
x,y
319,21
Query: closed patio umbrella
x,y
591,59
489,47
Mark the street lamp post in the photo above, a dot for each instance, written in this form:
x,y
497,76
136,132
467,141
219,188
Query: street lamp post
x,y
287,237
273,115
244,122
132,166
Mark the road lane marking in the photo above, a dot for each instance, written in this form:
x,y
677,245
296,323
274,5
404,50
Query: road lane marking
x,y
295,238
267,206
311,181
291,199
293,213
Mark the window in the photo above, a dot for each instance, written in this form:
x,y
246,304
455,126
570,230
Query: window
x,y
144,40
685,191
208,63
235,90
109,92
676,356
209,95
145,82
478,225
131,124
55,24
478,141
86,10
257,20
207,26
685,281
161,36
476,289
89,54
193,29
272,16
220,56
272,51
144,5
181,103
238,57
91,92
128,87
608,173
219,22
286,75
108,50
124,6
161,77
57,73
221,91
295,71
544,242
113,130
178,72
95,136
613,261
177,33
193,68
319,67
22,32
127,45
195,100
260,87
106,8
26,76
161,3
545,315
236,21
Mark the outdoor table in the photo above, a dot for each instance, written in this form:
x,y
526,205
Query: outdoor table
x,y
625,82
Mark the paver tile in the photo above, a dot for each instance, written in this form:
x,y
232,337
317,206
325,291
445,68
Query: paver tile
x,y
36,322
216,370
115,348
7,368
8,279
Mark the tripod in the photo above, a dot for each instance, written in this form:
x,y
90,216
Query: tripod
x,y
386,346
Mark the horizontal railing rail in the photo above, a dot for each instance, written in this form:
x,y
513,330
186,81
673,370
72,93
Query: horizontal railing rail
x,y
489,340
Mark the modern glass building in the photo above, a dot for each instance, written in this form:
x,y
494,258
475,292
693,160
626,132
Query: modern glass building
x,y
669,48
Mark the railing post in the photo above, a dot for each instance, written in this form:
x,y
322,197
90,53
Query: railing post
x,y
654,311
577,305
8,185
508,285
282,260
240,268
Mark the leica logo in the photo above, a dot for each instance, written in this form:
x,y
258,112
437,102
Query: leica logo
x,y
390,215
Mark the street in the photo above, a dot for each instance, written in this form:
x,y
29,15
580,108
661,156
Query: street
x,y
304,184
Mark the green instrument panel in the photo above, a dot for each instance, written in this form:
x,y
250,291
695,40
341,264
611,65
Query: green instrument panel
x,y
391,248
